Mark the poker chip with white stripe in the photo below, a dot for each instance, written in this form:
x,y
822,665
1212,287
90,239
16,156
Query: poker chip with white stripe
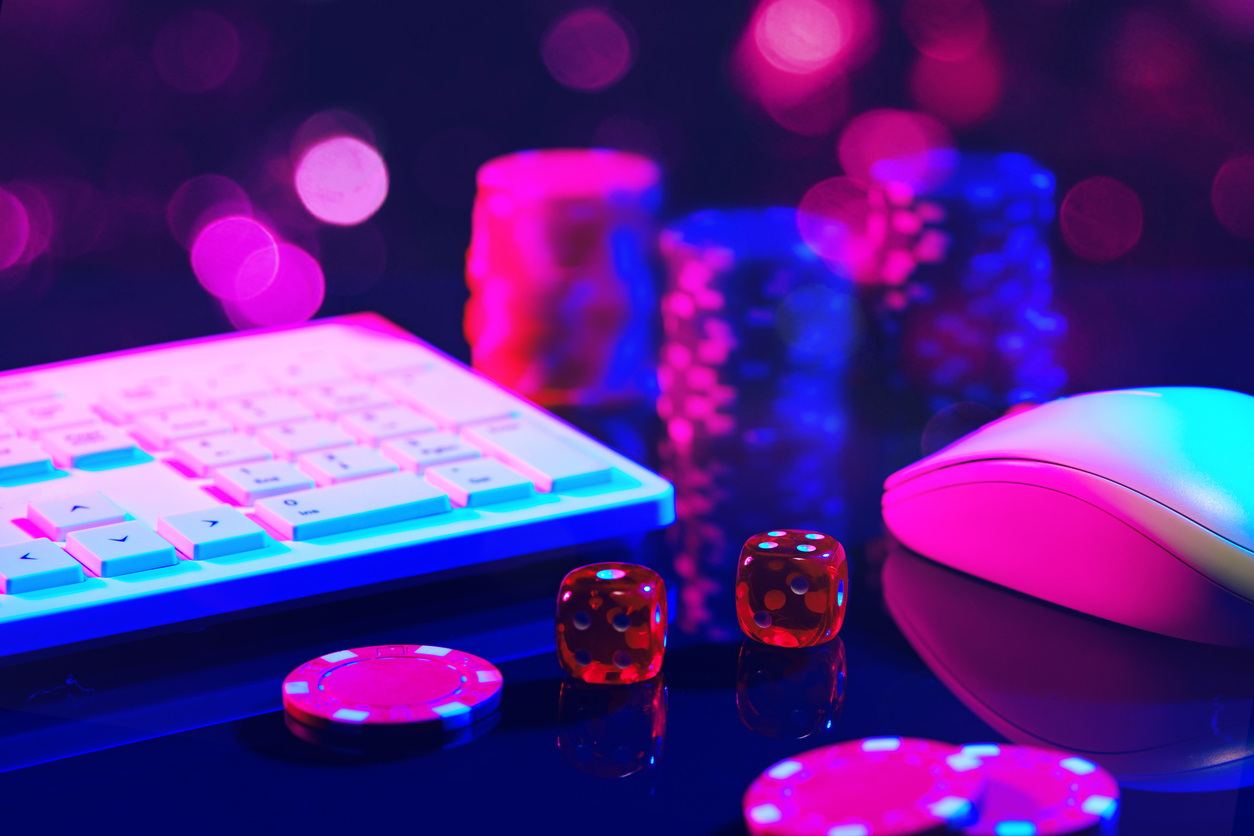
x,y
392,688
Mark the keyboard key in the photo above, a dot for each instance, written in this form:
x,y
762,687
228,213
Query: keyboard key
x,y
20,459
248,483
125,404
15,390
288,441
374,426
251,414
334,401
97,446
390,359
417,453
120,549
476,483
301,374
35,565
229,384
451,396
42,416
202,455
215,532
548,461
159,430
356,505
58,517
334,466
7,432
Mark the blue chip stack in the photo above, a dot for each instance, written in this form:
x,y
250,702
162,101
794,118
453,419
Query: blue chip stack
x,y
758,331
985,329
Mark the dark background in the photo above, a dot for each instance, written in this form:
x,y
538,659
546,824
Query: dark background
x,y
445,85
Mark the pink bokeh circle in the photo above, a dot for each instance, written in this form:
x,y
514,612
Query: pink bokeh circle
x,y
1101,219
235,258
342,180
294,296
1232,196
946,30
800,36
202,200
14,229
896,145
38,220
588,50
196,51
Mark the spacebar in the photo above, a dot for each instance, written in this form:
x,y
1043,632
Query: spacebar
x,y
352,506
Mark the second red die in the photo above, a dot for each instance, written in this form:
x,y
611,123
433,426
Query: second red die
x,y
791,587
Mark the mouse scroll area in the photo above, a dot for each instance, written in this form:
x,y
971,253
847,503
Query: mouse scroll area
x,y
1082,542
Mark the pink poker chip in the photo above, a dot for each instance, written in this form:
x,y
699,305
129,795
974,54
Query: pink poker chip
x,y
401,688
1040,792
878,786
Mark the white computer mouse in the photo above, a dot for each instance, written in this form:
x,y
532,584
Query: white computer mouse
x,y
1134,505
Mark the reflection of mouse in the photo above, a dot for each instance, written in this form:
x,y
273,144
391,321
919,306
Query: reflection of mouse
x,y
1132,505
1160,713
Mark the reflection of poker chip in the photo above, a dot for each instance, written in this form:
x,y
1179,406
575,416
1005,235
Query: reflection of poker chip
x,y
392,688
391,744
879,786
1040,792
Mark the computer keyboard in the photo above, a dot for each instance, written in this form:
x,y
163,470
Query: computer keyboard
x,y
172,484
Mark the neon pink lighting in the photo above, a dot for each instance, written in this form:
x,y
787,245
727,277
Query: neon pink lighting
x,y
945,30
202,200
588,50
1232,196
197,51
39,220
896,146
962,92
1101,219
14,229
342,180
800,36
235,258
294,296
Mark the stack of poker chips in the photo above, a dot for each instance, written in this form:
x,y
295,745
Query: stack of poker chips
x,y
757,332
901,785
980,325
561,295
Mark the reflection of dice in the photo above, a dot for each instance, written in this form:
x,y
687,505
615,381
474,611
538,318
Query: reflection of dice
x,y
791,588
611,623
790,692
611,731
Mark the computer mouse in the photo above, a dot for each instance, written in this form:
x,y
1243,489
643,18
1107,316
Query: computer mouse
x,y
1133,505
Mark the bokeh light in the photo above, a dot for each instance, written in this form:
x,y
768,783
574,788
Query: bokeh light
x,y
588,50
1232,196
945,30
235,258
896,145
202,200
800,36
38,218
196,51
960,93
342,180
294,296
832,217
1101,219
14,229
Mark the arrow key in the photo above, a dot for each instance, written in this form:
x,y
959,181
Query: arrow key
x,y
112,550
214,532
35,565
58,517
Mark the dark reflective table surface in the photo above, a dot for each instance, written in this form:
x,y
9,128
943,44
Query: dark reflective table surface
x,y
185,730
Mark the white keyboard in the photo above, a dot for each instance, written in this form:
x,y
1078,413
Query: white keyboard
x,y
186,481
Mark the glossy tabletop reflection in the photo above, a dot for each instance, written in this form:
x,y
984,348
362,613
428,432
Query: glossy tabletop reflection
x,y
187,728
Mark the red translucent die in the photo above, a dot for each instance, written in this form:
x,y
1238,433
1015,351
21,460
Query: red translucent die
x,y
791,587
611,623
